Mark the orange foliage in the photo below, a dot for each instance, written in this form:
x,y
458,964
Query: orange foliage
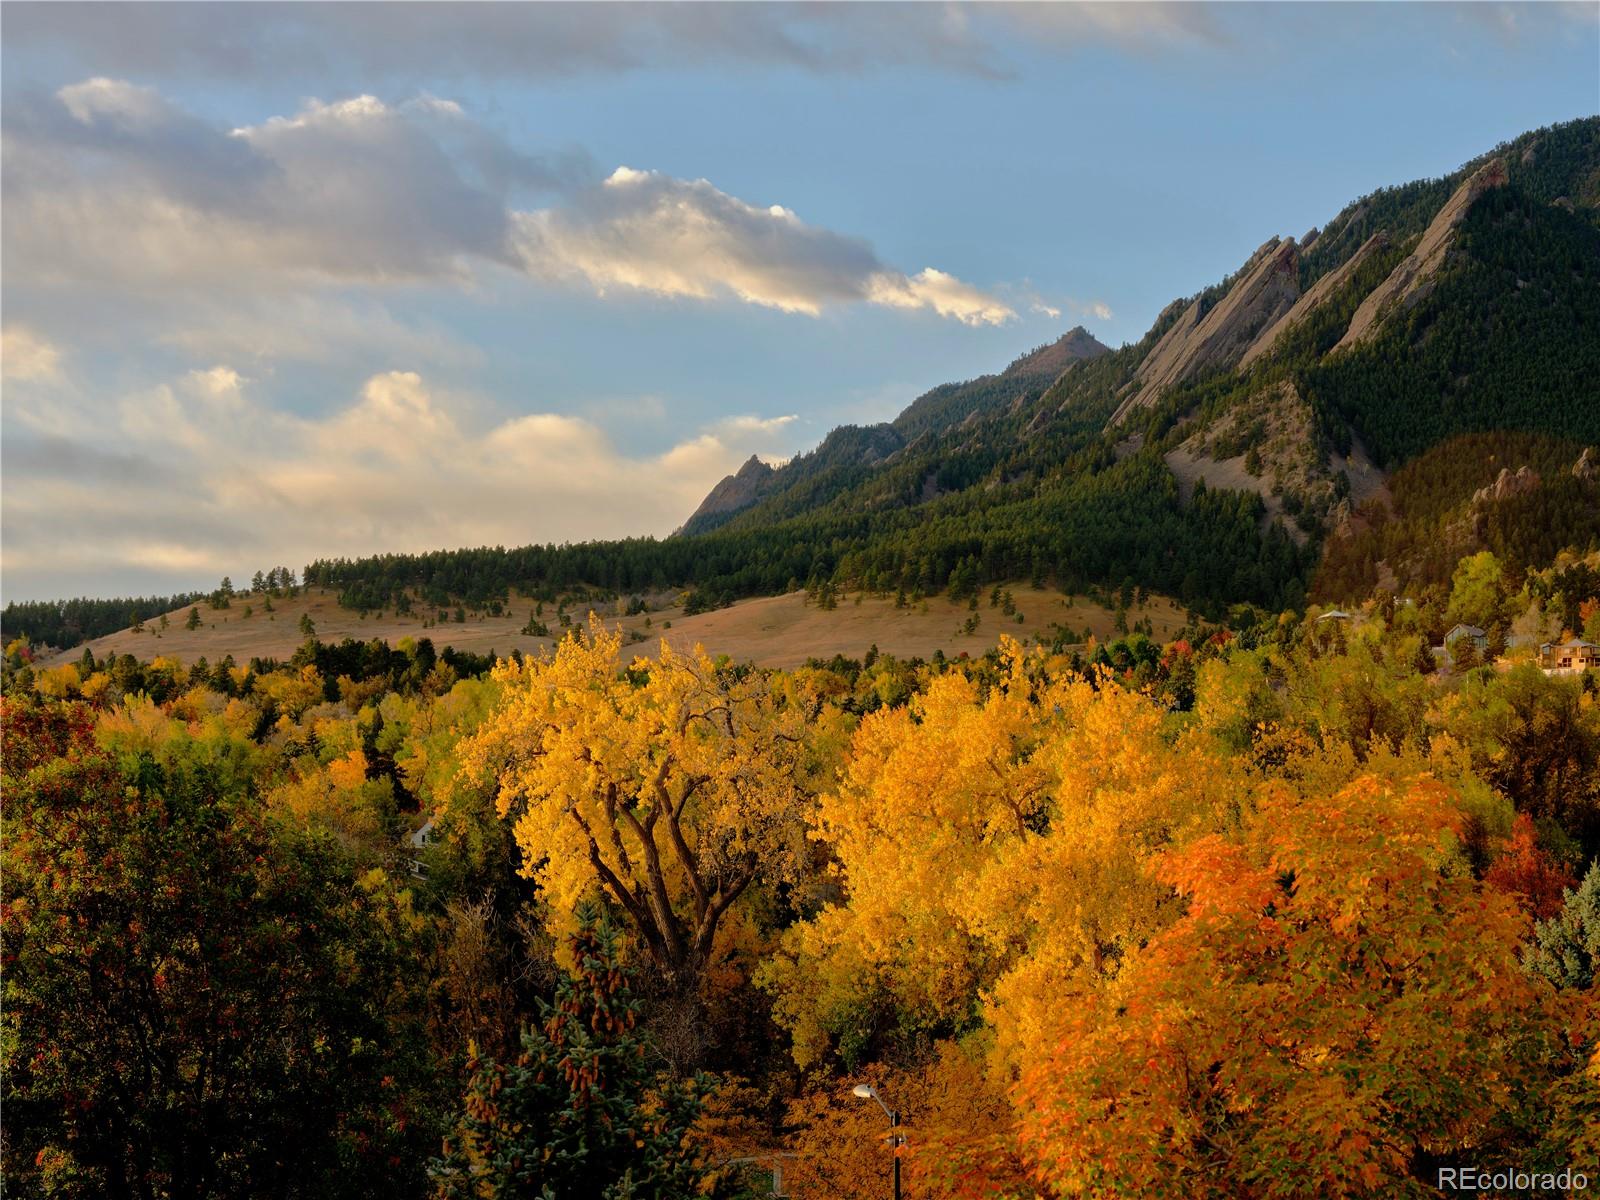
x,y
1340,997
956,1123
1526,871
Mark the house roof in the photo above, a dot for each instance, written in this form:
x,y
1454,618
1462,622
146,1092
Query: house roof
x,y
1334,614
1465,631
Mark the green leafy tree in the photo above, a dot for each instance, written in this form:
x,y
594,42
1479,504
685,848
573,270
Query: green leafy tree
x,y
194,619
580,1112
1477,591
193,1008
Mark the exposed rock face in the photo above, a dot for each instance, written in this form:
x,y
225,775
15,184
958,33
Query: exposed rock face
x,y
1268,445
1585,467
1266,289
736,491
1072,346
1314,297
1409,282
1506,484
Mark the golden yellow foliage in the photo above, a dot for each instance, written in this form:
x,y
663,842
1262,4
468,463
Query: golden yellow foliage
x,y
991,847
57,683
670,786
336,798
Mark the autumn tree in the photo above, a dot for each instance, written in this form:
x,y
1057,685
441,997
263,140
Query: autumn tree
x,y
988,842
668,787
1340,1006
1477,591
1527,871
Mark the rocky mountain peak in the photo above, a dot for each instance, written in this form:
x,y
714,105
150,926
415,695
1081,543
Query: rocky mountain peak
x,y
1074,345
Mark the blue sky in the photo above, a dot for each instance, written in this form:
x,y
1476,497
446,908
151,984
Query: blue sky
x,y
283,282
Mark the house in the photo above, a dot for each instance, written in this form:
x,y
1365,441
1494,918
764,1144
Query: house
x,y
1333,614
420,841
1459,633
1569,656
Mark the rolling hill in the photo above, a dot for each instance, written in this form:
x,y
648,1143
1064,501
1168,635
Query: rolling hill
x,y
771,631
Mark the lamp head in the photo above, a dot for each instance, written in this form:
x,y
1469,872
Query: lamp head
x,y
865,1091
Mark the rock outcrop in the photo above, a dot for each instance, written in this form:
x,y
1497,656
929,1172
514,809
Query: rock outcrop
x,y
737,491
1267,288
1507,484
1314,297
1410,281
1585,467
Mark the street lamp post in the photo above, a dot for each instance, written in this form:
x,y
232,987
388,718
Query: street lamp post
x,y
866,1091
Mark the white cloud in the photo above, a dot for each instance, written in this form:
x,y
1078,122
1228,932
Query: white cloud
x,y
123,104
746,424
109,184
649,232
26,355
231,482
944,294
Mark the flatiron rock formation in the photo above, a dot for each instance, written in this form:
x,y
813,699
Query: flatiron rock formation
x,y
1266,289
1314,297
1408,282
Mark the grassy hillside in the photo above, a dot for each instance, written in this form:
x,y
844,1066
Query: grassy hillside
x,y
774,631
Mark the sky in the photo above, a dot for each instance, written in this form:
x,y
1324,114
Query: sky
x,y
282,282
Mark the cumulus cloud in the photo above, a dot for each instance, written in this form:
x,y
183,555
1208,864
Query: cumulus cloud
x,y
944,294
25,355
210,478
646,231
109,181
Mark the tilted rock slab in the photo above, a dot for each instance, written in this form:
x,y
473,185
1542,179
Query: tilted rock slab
x,y
1408,282
1267,288
1314,297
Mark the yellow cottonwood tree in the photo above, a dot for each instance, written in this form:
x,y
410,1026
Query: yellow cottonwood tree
x,y
670,786
991,847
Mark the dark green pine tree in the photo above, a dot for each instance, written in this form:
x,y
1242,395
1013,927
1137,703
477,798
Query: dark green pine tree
x,y
581,1112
